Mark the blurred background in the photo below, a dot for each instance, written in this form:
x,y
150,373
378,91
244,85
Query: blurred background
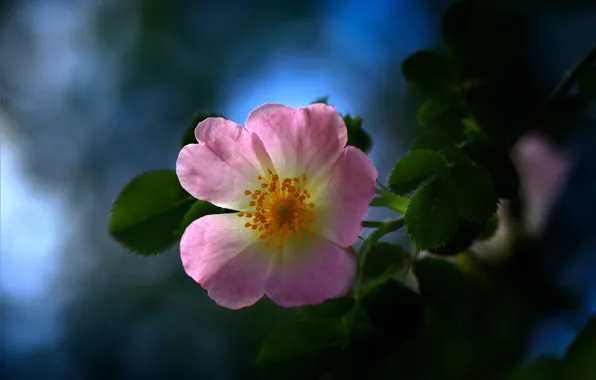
x,y
93,92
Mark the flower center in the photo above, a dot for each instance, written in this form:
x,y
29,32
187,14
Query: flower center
x,y
281,209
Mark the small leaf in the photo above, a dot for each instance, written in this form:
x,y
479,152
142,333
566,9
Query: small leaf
x,y
473,191
445,288
541,369
490,228
579,360
432,140
433,109
395,311
428,70
499,165
384,261
587,81
198,210
301,347
461,240
331,309
189,134
431,218
413,169
356,324
322,99
147,213
356,135
391,201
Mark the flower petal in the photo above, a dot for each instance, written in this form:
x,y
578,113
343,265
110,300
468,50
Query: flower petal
x,y
226,259
299,277
225,162
343,196
299,140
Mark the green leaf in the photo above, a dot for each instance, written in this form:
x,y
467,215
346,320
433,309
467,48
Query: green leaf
x,y
367,246
147,213
198,210
384,261
465,234
356,324
414,168
490,228
541,369
395,311
587,81
322,99
356,135
473,191
445,288
300,349
499,165
432,140
331,309
579,360
432,110
431,218
428,71
189,134
391,201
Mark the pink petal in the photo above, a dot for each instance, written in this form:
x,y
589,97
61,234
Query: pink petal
x,y
225,162
309,277
225,258
343,197
299,140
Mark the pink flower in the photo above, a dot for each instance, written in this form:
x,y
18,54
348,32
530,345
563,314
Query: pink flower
x,y
301,196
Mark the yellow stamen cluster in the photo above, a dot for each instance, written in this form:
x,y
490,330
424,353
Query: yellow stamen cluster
x,y
282,209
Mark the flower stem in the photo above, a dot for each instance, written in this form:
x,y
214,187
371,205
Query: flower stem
x,y
371,224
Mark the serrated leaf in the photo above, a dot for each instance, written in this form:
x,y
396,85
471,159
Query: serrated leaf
x,y
429,71
461,240
432,140
147,213
391,201
473,192
357,136
413,169
189,134
300,345
384,261
490,228
198,210
431,218
331,309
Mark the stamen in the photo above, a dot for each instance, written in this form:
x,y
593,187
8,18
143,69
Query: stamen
x,y
280,209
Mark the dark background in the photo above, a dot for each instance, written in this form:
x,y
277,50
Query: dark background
x,y
94,92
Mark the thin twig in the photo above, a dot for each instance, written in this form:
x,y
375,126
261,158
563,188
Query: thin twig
x,y
559,92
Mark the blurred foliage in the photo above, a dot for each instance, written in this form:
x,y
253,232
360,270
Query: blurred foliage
x,y
469,97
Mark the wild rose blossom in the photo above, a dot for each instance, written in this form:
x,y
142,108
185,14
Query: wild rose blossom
x,y
300,193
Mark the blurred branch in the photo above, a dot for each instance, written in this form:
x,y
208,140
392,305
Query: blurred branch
x,y
559,92
571,76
